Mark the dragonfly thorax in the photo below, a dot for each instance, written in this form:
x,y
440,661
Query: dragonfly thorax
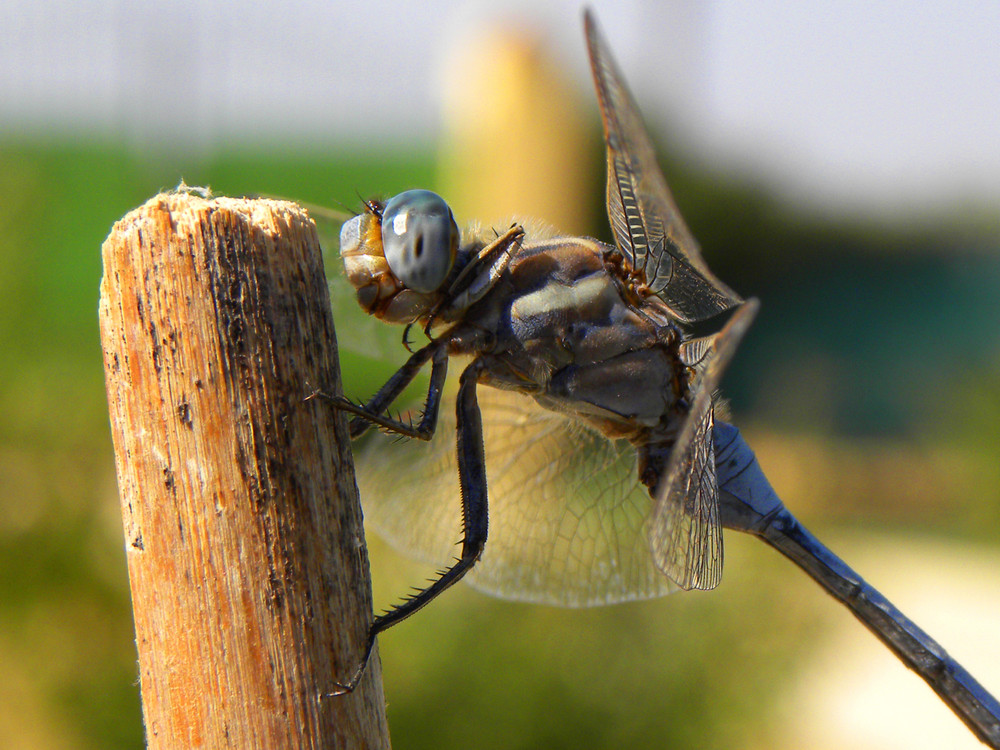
x,y
567,332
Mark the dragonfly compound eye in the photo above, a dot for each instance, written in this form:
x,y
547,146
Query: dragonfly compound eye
x,y
419,239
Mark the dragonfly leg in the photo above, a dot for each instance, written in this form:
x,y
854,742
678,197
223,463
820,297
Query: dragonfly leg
x,y
472,480
372,412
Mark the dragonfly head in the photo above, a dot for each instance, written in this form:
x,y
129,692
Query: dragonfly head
x,y
398,255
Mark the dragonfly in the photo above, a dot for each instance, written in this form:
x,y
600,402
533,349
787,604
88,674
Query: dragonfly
x,y
584,446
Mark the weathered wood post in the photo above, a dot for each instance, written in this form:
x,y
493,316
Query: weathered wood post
x,y
246,557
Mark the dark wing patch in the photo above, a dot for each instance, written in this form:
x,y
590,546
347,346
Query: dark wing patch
x,y
648,228
685,535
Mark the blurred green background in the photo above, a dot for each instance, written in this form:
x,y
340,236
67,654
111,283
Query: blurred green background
x,y
869,386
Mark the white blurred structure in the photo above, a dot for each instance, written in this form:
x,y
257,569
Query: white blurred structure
x,y
889,102
852,692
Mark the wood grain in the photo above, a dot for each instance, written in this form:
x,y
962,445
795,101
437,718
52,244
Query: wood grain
x,y
246,555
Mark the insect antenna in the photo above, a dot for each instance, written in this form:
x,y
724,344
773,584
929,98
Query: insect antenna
x,y
372,205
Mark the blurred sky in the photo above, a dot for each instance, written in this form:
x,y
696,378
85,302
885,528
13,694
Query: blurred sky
x,y
886,104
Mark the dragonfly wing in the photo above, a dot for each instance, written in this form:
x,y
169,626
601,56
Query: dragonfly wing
x,y
685,534
648,228
568,518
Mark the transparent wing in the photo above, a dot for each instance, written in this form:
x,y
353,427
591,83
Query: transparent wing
x,y
568,517
648,228
685,535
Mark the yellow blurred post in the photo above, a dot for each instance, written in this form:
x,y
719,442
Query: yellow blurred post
x,y
516,135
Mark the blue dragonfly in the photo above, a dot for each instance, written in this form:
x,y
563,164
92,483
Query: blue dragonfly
x,y
584,445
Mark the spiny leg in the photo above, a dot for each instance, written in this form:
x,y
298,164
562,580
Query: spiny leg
x,y
368,414
475,516
371,412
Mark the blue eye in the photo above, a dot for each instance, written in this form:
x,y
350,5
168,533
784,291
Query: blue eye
x,y
419,239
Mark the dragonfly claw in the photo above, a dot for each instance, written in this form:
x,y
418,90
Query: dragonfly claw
x,y
344,688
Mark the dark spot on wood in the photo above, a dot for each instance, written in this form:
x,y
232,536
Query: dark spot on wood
x,y
154,338
276,589
184,413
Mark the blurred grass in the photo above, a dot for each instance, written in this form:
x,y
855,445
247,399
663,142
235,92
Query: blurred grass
x,y
66,636
849,316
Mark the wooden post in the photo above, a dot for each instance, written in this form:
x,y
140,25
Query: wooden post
x,y
243,534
